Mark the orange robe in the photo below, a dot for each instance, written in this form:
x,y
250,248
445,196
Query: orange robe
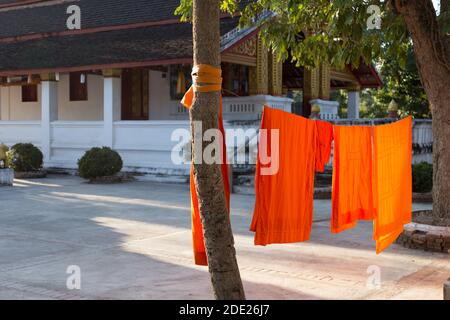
x,y
392,147
197,227
352,196
284,200
324,139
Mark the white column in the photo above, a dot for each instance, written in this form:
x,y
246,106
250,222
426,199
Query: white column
x,y
4,104
353,105
111,107
49,113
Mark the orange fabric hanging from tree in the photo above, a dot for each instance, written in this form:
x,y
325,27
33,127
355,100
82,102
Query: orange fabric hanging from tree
x,y
206,78
392,147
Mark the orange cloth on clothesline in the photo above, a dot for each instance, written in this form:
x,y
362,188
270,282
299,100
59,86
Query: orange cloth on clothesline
x,y
352,195
324,140
372,179
284,200
392,149
206,78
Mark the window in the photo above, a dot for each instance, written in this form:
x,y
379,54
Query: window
x,y
235,79
135,97
180,80
29,93
78,86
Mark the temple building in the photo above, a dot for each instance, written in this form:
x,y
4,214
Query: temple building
x,y
117,81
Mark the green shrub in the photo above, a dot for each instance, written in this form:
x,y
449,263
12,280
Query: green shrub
x,y
24,157
99,162
422,177
3,150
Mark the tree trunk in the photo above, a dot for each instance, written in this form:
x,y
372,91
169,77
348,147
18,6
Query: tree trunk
x,y
432,52
219,242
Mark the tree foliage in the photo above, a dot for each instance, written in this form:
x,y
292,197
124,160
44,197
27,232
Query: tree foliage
x,y
185,8
313,31
334,31
401,84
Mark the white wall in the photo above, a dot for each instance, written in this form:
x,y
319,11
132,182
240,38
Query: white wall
x,y
12,107
90,110
160,105
159,96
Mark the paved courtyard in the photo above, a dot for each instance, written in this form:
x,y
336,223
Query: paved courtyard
x,y
133,241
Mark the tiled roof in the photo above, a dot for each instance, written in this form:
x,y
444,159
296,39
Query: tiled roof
x,y
155,43
94,13
51,16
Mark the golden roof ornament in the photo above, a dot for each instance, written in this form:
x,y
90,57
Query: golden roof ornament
x,y
315,108
393,106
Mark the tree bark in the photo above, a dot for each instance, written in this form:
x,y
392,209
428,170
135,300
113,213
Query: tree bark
x,y
431,49
445,5
218,236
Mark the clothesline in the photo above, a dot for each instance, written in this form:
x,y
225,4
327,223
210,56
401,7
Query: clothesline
x,y
371,175
372,179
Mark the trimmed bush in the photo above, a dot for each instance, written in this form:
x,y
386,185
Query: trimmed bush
x,y
24,157
422,177
3,150
99,162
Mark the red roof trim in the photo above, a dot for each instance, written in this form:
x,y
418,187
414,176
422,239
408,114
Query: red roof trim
x,y
378,82
18,3
98,67
376,75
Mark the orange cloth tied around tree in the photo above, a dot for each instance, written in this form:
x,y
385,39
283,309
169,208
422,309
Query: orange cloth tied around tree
x,y
352,196
392,172
284,199
205,78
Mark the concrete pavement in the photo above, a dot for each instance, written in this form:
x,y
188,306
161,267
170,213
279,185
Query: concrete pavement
x,y
133,241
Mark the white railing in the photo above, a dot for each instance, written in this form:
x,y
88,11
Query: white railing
x,y
148,144
422,140
241,108
422,130
144,146
70,139
250,107
178,111
12,132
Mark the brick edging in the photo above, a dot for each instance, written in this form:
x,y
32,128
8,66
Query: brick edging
x,y
425,237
